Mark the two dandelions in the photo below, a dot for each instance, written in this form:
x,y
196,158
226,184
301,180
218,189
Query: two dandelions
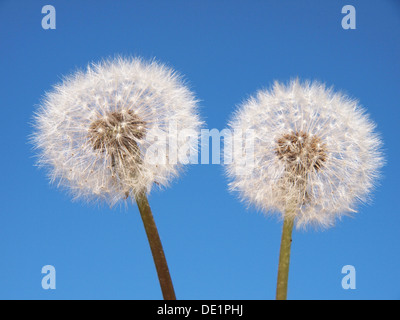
x,y
315,151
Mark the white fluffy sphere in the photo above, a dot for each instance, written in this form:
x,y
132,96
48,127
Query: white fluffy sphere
x,y
95,130
315,153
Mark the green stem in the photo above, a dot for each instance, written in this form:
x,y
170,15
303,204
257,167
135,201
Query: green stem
x,y
156,248
284,259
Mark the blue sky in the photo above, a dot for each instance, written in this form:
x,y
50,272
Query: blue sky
x,y
215,246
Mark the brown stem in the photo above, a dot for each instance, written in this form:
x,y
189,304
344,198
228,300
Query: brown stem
x,y
156,248
284,259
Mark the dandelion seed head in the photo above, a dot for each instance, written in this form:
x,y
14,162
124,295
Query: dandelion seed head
x,y
93,131
323,159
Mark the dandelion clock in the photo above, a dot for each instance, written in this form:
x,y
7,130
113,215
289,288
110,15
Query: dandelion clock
x,y
315,157
104,134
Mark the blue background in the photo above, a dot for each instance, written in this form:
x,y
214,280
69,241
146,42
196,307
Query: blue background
x,y
216,248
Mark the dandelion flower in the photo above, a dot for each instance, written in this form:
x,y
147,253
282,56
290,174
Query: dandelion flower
x,y
95,131
316,154
95,128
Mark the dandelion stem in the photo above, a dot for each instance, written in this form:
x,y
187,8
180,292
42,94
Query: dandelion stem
x,y
156,248
284,258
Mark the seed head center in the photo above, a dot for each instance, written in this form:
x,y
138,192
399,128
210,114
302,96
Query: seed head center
x,y
117,132
301,152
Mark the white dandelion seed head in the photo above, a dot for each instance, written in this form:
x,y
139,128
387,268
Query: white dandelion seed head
x,y
94,130
314,150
